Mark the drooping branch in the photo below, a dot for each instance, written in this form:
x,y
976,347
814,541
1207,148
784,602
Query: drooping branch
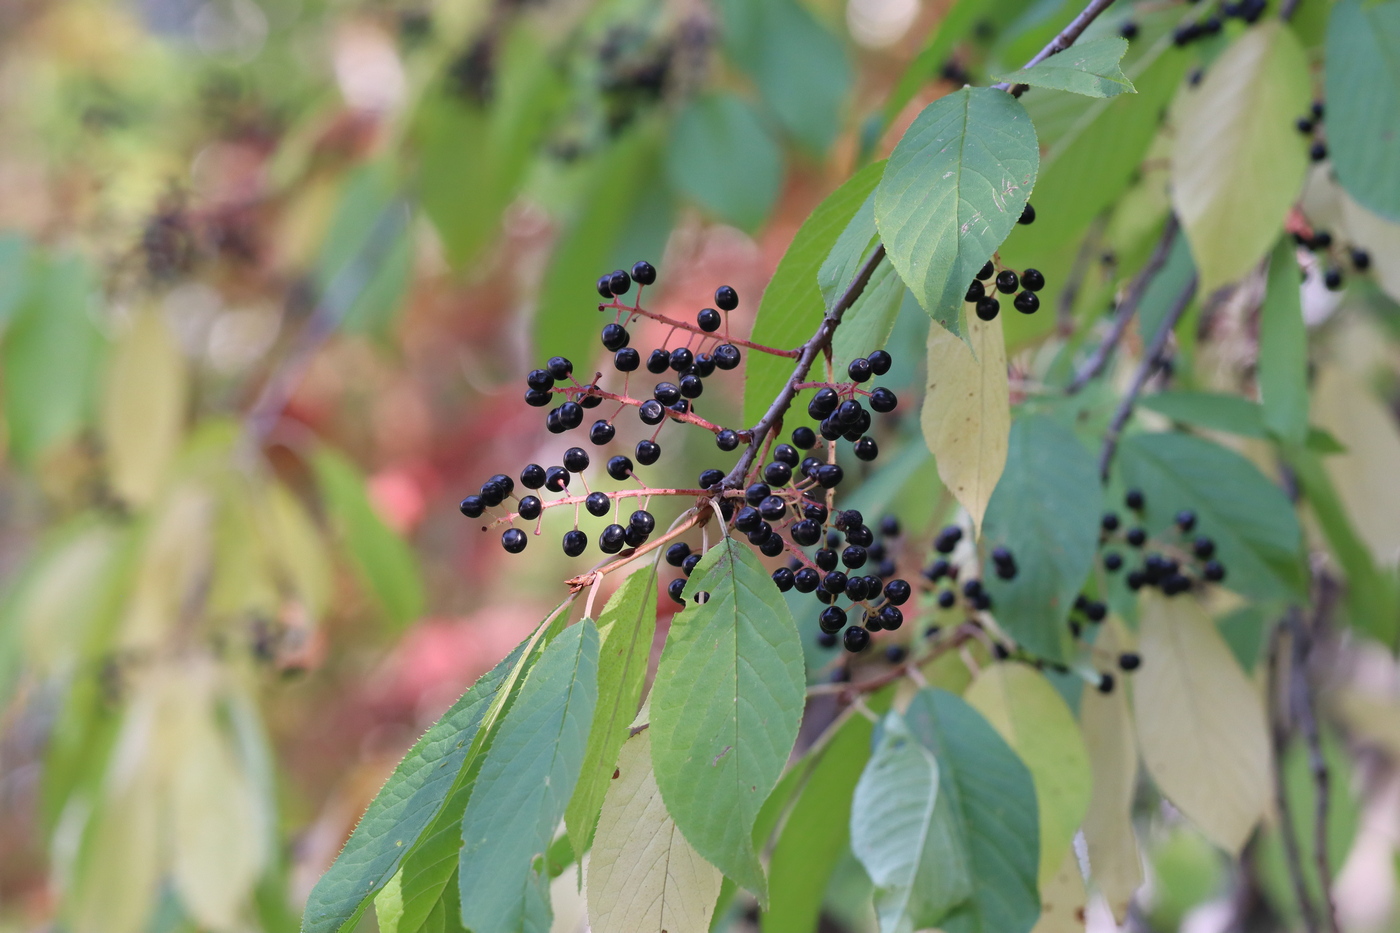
x,y
1152,359
1136,291
1064,40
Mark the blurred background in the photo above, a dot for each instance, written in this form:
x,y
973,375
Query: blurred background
x,y
271,275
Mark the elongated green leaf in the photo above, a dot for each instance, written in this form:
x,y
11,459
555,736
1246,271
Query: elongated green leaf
x,y
643,876
992,797
382,559
712,135
1283,350
1238,163
904,833
625,216
1091,68
1035,721
1254,527
15,257
1363,71
1042,510
817,829
524,787
792,305
953,189
625,629
866,326
725,707
368,251
397,817
1217,411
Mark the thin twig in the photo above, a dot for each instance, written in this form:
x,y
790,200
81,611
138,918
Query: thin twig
x,y
1304,713
1292,856
1151,360
1061,42
1064,304
809,351
1099,358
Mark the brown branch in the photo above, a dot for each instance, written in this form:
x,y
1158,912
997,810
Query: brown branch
x,y
1136,291
1301,704
1292,856
1064,40
692,328
1151,360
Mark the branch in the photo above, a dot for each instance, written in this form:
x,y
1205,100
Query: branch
x,y
1301,702
1151,360
1136,291
1293,858
1064,40
809,351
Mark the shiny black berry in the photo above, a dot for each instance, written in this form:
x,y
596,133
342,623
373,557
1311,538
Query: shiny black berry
x,y
891,618
677,553
531,507
532,477
681,359
644,272
539,379
880,362
604,285
823,403
472,507
597,504
1214,571
1033,280
619,467
829,475
612,539
1112,562
856,639
627,360
988,309
559,367
620,282
867,449
570,415
615,337
1109,522
1007,281
987,272
947,599
709,478
726,356
575,542
674,588
806,580
538,398
804,438
777,473
648,452
1027,215
514,540
601,432
1137,537
1027,303
727,440
651,411
975,292
860,370
658,362
709,320
688,565
947,539
726,298
883,400
1134,500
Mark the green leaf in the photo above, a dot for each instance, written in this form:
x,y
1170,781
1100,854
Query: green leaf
x,y
1217,411
725,708
1238,162
1091,68
625,216
1363,70
1038,511
1034,720
15,256
625,629
368,251
992,797
1254,527
402,810
792,304
867,324
817,829
1283,349
953,189
383,560
714,134
51,357
905,835
523,789
799,67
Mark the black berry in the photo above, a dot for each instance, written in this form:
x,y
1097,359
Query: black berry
x,y
648,452
1007,281
975,292
1186,519
860,370
472,507
514,540
880,362
1317,151
856,639
604,285
532,477
726,356
531,507
1027,215
619,467
987,272
612,539
726,298
651,411
1137,537
1134,500
1128,661
804,438
1027,303
658,362
677,553
644,273
674,588
620,282
627,360
727,440
883,400
575,542
615,337
709,320
539,379
988,309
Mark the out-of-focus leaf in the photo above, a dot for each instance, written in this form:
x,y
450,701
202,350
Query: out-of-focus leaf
x,y
967,412
993,801
51,357
625,627
1379,236
1063,900
1363,70
867,325
61,597
725,707
624,208
643,876
298,548
792,305
714,134
1092,68
383,560
1038,512
15,255
1027,712
1283,350
800,68
367,255
1200,722
909,845
1238,162
951,28
953,189
1115,866
524,787
1253,524
1218,411
143,407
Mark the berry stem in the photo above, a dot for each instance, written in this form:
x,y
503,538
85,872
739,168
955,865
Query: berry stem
x,y
577,583
689,417
960,636
616,495
819,342
656,316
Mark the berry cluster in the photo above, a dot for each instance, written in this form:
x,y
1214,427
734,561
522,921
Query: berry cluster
x,y
1321,243
1308,125
1175,566
781,501
983,296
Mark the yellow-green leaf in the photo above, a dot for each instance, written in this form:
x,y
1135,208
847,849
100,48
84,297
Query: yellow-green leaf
x,y
1238,163
967,411
1035,721
1364,474
1063,899
643,876
143,407
1200,721
1092,68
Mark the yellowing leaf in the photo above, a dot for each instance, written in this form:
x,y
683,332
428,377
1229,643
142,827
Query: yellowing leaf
x,y
643,876
1363,475
1200,721
1378,236
143,407
298,547
63,596
967,411
1114,864
1238,163
1028,712
1063,899
177,554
